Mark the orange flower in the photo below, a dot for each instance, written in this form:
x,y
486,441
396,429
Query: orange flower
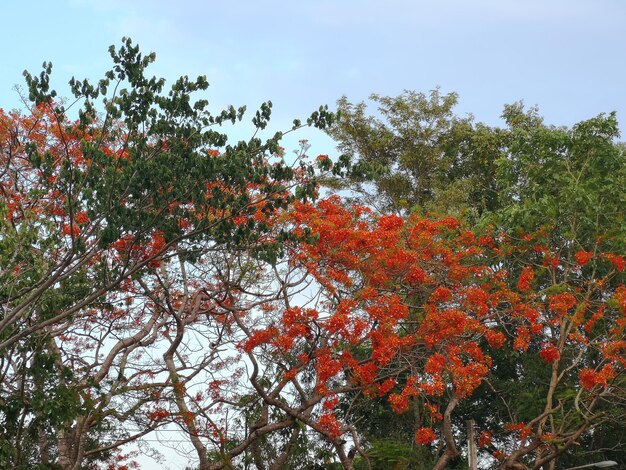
x,y
549,353
425,436
328,422
618,262
82,218
526,277
583,257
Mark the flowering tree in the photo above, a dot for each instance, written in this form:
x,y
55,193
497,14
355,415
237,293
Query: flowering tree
x,y
414,310
154,277
114,231
522,178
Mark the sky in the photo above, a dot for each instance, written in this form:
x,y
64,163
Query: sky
x,y
565,56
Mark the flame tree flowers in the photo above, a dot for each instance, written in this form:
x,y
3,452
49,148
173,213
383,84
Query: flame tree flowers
x,y
413,310
154,277
519,178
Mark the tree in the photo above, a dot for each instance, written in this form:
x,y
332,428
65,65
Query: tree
x,y
425,155
114,233
364,331
563,185
154,277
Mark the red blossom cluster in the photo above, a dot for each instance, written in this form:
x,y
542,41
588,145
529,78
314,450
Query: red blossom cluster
x,y
583,257
549,353
425,436
589,379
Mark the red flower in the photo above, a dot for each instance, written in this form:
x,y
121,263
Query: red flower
x,y
618,262
485,439
561,303
549,353
424,436
259,337
71,230
435,364
390,222
331,403
583,257
522,339
526,277
158,414
328,422
495,339
590,378
441,294
386,386
82,218
399,403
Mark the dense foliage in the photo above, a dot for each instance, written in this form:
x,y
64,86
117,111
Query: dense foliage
x,y
154,277
527,181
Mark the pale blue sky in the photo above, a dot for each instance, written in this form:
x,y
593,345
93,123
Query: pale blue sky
x,y
567,56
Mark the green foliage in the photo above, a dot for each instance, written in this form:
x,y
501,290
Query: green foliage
x,y
565,179
391,454
521,177
405,149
